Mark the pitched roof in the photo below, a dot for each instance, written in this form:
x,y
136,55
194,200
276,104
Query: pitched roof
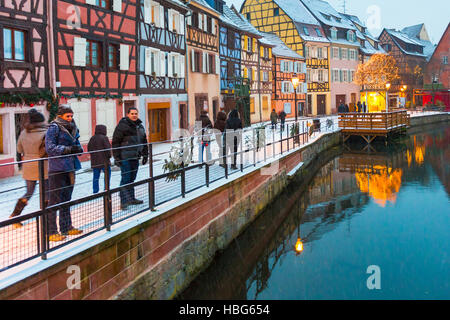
x,y
239,20
206,5
440,41
413,31
403,37
327,15
280,48
297,11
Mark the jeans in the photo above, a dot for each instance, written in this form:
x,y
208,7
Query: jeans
x,y
221,144
128,171
61,188
202,147
233,148
95,181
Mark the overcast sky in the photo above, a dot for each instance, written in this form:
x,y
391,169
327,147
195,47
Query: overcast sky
x,y
394,14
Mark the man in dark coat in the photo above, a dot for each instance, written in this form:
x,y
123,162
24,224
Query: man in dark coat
x,y
341,108
233,131
359,106
273,119
219,125
282,119
347,109
100,149
62,139
204,137
364,107
129,145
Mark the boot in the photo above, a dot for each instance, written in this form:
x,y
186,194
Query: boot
x,y
20,205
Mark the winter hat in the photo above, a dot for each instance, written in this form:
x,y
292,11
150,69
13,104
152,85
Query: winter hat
x,y
35,116
64,108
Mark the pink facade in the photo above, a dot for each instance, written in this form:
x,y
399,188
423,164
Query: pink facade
x,y
343,65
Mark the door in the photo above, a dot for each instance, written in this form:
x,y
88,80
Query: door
x,y
321,104
157,124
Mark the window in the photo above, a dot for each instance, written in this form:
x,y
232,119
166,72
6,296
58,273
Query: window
x,y
320,75
344,76
352,54
113,53
445,60
286,87
93,53
248,15
335,75
209,25
211,63
298,67
344,53
103,4
318,32
351,36
387,47
308,75
352,76
319,53
276,12
307,52
333,33
326,16
305,30
249,44
335,53
265,76
14,44
230,39
287,108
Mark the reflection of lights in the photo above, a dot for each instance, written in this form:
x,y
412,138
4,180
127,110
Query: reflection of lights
x,y
382,186
409,158
299,246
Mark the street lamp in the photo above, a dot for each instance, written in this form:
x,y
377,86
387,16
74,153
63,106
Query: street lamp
x,y
388,85
295,81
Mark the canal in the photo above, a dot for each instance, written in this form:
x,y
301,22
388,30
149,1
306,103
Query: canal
x,y
378,220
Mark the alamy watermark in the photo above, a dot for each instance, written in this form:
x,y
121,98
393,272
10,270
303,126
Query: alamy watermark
x,y
374,280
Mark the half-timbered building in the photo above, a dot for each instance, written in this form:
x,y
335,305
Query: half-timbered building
x,y
343,54
95,54
411,60
368,44
286,64
162,66
24,70
202,37
294,24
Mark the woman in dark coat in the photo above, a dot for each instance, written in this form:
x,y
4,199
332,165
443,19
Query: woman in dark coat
x,y
219,125
204,138
233,138
99,159
30,145
62,143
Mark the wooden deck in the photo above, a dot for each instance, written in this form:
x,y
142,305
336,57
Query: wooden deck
x,y
372,125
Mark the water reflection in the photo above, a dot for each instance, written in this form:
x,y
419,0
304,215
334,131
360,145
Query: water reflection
x,y
388,208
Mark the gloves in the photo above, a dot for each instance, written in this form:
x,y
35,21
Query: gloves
x,y
73,149
144,160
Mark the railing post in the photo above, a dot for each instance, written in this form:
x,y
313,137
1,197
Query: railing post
x,y
287,136
281,139
225,154
265,145
151,184
273,142
183,181
107,203
207,175
42,200
254,147
242,150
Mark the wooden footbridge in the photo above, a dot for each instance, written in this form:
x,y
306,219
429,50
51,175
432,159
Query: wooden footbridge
x,y
372,125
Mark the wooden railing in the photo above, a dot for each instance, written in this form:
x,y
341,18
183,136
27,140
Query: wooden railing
x,y
373,122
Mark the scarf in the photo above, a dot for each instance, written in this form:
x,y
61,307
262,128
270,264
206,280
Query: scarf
x,y
70,127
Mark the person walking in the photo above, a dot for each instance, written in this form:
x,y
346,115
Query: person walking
x,y
129,144
274,119
101,154
364,107
341,108
233,131
347,109
204,138
219,125
282,119
62,145
359,106
31,146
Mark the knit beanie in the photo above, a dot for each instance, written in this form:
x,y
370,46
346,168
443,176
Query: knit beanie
x,y
35,116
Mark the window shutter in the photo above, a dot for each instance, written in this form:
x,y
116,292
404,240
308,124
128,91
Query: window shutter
x,y
349,78
270,53
304,67
305,87
161,16
124,57
181,61
193,60
331,52
204,62
340,75
245,72
213,26
200,23
325,75
82,118
181,23
189,20
148,62
217,64
340,53
255,45
348,54
90,2
291,66
117,5
148,11
162,66
170,14
205,24
325,52
170,70
253,75
245,42
79,52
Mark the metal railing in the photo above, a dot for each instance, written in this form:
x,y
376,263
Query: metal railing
x,y
101,210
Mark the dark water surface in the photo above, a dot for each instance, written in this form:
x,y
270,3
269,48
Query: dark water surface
x,y
389,209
